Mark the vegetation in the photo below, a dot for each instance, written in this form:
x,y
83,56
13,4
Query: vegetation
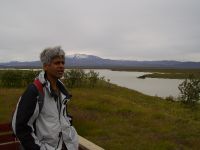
x,y
78,78
190,90
168,75
119,118
72,78
160,70
164,73
16,78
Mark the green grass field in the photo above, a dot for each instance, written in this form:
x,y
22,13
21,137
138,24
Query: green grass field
x,y
117,118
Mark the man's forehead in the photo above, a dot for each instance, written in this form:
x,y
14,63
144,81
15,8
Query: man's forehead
x,y
58,58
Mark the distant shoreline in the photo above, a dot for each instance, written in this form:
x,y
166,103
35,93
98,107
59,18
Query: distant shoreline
x,y
165,73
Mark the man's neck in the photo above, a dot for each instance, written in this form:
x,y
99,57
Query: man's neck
x,y
53,82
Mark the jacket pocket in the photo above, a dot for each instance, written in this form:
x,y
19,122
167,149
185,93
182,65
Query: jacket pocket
x,y
70,134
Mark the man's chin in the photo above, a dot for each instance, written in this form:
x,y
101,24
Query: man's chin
x,y
59,76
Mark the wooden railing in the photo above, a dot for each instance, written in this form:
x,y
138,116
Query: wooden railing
x,y
9,142
85,144
7,139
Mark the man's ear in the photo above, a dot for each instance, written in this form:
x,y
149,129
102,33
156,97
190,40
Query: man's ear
x,y
45,67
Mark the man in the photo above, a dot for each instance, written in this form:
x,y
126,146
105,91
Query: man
x,y
49,128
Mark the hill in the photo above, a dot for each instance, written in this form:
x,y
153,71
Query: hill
x,y
117,118
91,61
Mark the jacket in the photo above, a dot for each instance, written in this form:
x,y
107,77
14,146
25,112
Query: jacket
x,y
49,128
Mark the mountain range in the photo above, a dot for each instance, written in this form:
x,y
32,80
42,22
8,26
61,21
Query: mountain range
x,y
91,61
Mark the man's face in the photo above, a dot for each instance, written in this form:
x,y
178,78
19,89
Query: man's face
x,y
56,68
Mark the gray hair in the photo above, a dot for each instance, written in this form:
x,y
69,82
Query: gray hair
x,y
48,54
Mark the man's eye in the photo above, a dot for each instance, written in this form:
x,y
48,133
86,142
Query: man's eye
x,y
62,62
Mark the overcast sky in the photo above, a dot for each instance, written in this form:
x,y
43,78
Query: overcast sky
x,y
115,29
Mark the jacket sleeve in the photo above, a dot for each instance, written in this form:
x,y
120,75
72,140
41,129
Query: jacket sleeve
x,y
23,119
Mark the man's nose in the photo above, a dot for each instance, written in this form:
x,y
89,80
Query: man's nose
x,y
61,64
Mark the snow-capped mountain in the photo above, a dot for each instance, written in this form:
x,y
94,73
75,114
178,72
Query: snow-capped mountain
x,y
91,61
78,56
84,60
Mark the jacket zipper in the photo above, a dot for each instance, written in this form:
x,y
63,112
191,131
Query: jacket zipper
x,y
59,106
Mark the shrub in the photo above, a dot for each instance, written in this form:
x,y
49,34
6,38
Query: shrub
x,y
74,78
78,78
17,78
190,90
11,78
93,77
170,98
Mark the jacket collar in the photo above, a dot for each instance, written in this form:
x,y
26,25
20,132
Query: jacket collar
x,y
46,83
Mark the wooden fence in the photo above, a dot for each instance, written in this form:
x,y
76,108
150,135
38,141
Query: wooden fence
x,y
9,142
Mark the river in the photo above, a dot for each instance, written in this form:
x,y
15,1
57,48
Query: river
x,y
149,86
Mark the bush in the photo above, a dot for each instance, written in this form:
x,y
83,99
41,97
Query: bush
x,y
93,77
11,78
74,78
170,98
17,78
78,78
190,90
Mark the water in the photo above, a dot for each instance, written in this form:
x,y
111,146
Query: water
x,y
149,86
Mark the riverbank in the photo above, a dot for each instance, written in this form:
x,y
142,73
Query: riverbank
x,y
119,118
155,72
170,75
164,73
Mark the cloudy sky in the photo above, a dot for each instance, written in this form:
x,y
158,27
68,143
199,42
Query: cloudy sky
x,y
116,29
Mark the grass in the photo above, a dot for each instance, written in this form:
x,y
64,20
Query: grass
x,y
160,70
8,101
117,118
170,75
165,73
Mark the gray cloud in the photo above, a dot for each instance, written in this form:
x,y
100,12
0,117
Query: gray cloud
x,y
128,29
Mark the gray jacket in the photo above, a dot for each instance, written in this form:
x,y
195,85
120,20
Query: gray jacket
x,y
46,129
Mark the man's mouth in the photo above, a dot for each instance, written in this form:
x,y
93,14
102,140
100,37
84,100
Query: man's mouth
x,y
60,72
